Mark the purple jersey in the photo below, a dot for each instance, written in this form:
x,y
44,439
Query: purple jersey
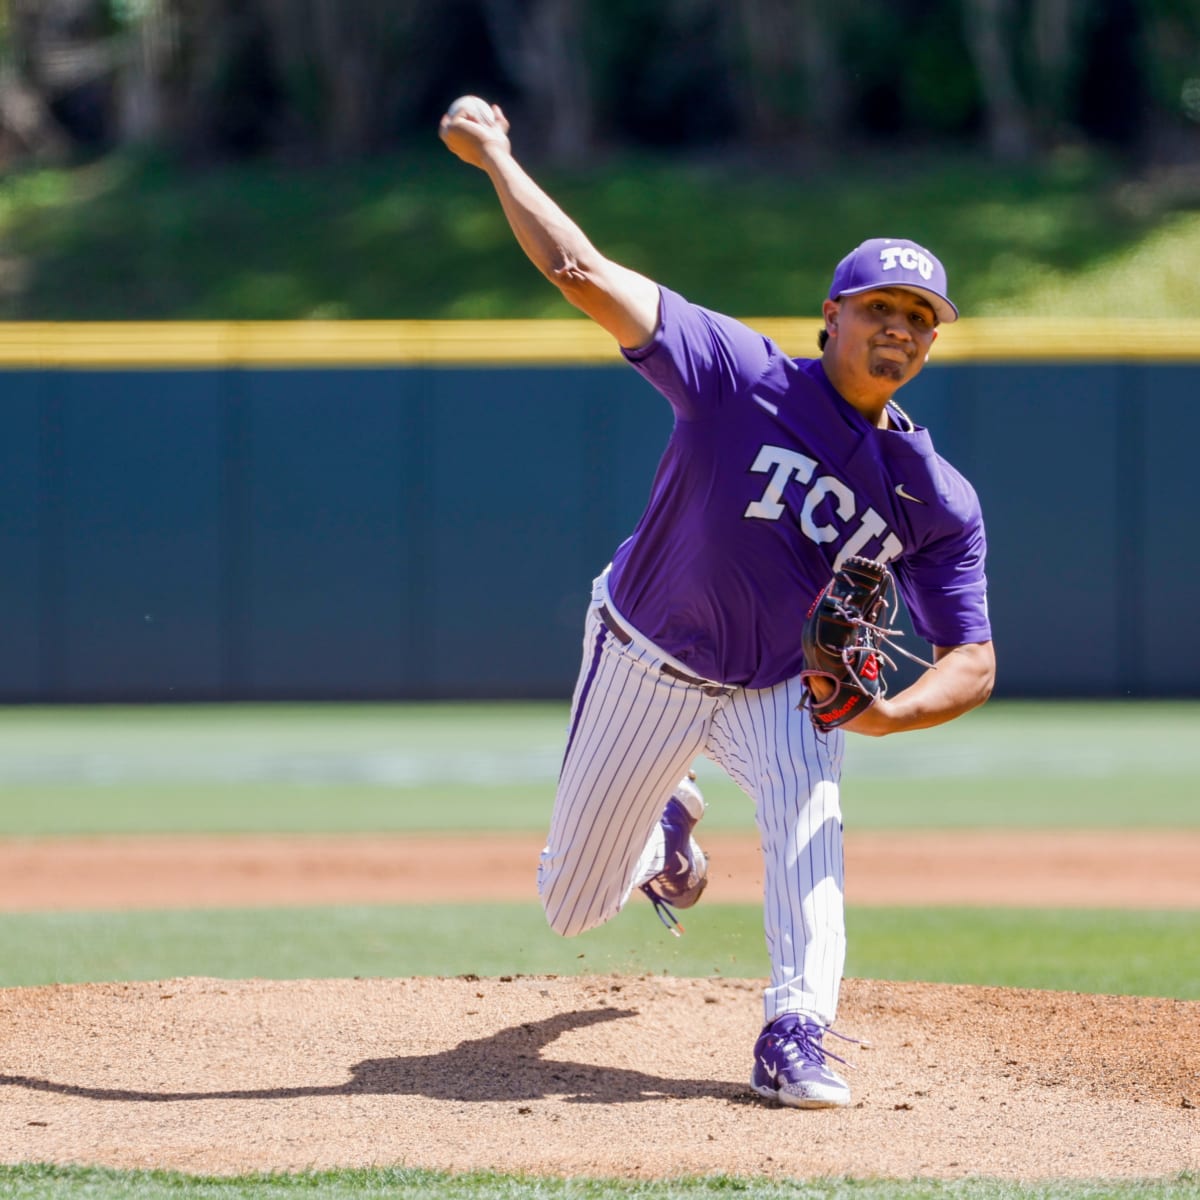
x,y
769,479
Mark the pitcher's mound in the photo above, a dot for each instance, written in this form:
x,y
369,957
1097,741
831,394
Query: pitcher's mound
x,y
592,1076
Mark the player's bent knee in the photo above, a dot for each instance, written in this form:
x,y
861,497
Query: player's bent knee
x,y
565,914
572,905
563,919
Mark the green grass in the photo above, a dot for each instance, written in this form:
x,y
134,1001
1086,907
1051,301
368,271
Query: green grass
x,y
288,768
85,1183
1108,764
364,767
420,235
1110,952
395,767
1095,951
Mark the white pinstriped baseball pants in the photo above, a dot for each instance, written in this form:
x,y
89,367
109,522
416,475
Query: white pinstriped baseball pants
x,y
634,732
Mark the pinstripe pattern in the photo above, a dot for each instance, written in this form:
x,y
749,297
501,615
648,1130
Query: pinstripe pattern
x,y
769,747
634,733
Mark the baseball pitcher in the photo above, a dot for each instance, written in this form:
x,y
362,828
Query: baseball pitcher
x,y
748,616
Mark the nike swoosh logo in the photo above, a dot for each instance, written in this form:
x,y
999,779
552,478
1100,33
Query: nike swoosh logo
x,y
907,496
771,1069
683,862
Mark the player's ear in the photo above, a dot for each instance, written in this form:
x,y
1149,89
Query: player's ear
x,y
829,309
931,341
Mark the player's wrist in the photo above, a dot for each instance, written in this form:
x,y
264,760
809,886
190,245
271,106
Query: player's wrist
x,y
877,721
495,154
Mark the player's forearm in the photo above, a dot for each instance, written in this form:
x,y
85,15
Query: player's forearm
x,y
961,681
550,239
621,301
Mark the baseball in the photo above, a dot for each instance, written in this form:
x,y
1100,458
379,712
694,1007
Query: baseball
x,y
472,106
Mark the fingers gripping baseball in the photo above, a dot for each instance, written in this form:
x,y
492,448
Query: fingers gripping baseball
x,y
470,125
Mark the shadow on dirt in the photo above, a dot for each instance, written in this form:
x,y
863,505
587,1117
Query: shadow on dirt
x,y
509,1065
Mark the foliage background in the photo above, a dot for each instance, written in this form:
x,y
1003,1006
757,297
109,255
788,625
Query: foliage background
x,y
276,159
326,78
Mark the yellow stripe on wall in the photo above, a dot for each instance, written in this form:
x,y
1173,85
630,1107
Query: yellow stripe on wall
x,y
134,344
1028,339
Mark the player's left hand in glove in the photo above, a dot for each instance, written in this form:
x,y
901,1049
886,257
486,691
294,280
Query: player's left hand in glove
x,y
841,639
844,664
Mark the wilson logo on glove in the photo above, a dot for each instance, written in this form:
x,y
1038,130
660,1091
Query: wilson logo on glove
x,y
842,635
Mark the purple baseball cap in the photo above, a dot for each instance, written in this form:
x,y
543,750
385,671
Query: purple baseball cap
x,y
894,263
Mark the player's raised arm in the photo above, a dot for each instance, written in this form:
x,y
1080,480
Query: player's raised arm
x,y
616,298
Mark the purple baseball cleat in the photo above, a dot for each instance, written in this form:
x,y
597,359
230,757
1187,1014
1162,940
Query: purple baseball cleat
x,y
685,872
790,1066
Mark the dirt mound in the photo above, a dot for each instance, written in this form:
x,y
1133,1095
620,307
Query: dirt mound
x,y
607,1076
599,1076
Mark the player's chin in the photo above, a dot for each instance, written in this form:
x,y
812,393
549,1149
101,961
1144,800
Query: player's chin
x,y
891,369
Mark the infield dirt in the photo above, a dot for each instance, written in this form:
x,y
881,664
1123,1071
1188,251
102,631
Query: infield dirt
x,y
641,1076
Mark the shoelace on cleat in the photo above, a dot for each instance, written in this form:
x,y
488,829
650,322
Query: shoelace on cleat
x,y
664,911
806,1037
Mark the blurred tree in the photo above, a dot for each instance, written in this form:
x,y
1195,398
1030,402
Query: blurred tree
x,y
991,30
150,49
667,73
224,90
346,69
1112,92
1057,55
793,82
348,78
539,44
937,78
54,74
1171,53
251,76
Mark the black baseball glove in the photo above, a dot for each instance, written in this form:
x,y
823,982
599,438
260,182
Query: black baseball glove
x,y
842,634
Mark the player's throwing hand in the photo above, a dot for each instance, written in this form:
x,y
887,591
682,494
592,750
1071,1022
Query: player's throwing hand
x,y
471,124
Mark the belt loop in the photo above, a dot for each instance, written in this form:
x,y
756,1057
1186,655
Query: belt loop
x,y
622,635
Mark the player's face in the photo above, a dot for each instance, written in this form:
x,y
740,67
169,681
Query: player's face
x,y
883,336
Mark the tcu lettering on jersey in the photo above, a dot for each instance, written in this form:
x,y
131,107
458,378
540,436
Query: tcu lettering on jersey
x,y
785,465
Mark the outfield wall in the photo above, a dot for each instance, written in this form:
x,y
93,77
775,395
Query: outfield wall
x,y
385,511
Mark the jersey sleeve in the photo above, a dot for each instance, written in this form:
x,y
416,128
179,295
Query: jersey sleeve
x,y
698,358
944,586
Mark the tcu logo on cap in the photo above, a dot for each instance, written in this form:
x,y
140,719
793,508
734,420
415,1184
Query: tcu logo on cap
x,y
907,258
